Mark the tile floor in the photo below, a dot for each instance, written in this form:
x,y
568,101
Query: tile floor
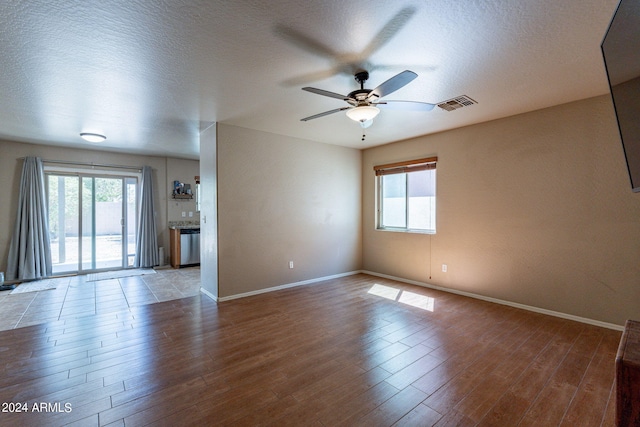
x,y
75,297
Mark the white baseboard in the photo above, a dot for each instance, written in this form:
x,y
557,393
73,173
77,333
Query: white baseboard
x,y
286,286
503,302
209,294
425,285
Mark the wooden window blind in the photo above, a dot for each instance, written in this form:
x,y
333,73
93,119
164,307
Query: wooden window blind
x,y
427,163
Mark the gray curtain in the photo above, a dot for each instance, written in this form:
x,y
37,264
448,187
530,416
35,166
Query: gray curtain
x,y
147,243
30,250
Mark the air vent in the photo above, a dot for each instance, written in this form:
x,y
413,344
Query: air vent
x,y
457,103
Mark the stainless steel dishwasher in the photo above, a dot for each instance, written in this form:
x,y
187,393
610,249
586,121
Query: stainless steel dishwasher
x,y
189,246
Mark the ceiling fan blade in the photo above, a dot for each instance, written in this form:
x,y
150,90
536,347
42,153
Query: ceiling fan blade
x,y
305,79
391,68
326,113
392,85
304,42
405,105
387,32
326,93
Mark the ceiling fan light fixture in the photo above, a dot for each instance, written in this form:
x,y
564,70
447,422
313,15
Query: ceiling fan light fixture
x,y
363,113
92,137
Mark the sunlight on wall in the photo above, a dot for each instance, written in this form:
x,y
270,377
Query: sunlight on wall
x,y
415,300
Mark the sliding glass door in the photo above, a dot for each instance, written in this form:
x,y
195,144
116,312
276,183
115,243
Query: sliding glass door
x,y
64,216
92,220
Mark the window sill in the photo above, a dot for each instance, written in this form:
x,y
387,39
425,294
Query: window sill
x,y
408,231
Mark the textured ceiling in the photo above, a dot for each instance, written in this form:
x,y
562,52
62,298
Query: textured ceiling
x,y
150,74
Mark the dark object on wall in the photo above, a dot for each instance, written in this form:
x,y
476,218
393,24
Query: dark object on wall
x,y
621,52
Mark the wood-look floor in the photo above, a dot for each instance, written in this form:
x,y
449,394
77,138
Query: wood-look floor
x,y
353,351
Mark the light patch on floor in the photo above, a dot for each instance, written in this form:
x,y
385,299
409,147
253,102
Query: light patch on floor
x,y
405,297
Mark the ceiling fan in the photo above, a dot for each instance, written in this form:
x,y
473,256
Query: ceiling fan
x,y
364,103
343,62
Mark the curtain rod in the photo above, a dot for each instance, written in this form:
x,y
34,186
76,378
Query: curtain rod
x,y
99,165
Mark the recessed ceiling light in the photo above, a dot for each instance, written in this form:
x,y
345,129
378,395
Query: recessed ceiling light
x,y
92,137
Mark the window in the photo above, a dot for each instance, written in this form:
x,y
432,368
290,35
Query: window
x,y
407,196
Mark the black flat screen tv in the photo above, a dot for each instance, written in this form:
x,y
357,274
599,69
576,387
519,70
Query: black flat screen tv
x,y
621,52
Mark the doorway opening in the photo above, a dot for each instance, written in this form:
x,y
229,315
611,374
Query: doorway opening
x,y
92,220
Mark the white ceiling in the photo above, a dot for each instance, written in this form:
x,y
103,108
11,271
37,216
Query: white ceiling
x,y
150,74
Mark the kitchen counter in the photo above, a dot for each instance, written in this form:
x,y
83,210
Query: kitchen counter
x,y
179,225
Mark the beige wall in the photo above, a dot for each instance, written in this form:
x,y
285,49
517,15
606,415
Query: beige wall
x,y
11,169
534,209
284,199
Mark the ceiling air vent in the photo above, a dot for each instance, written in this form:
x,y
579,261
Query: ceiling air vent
x,y
457,103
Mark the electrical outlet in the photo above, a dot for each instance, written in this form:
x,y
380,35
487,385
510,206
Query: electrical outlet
x,y
290,264
444,268
184,214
